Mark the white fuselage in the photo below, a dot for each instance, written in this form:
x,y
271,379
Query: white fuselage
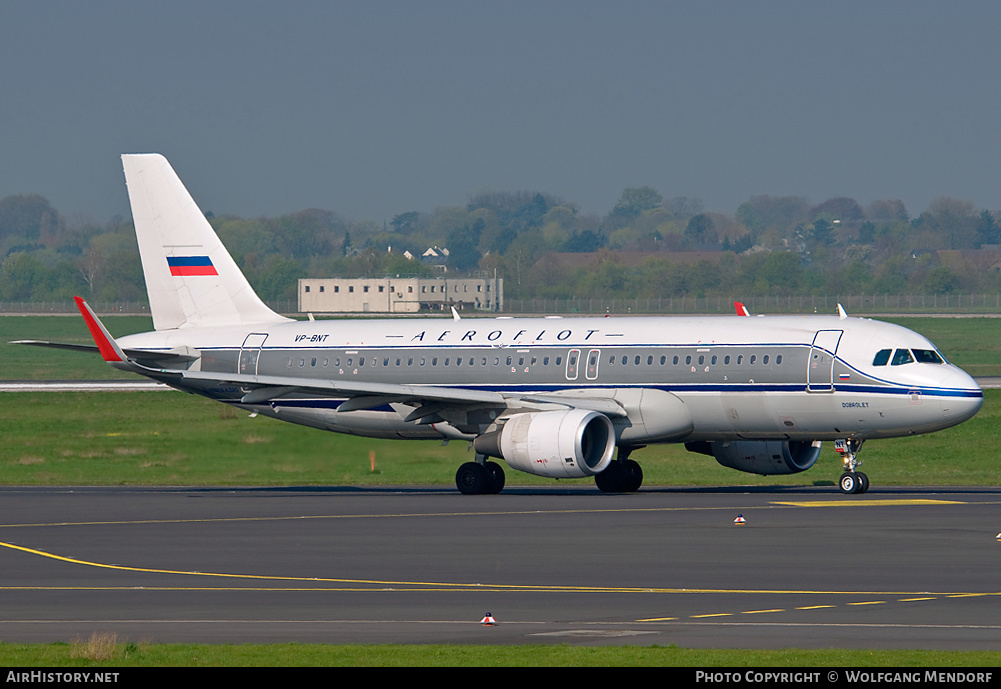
x,y
775,377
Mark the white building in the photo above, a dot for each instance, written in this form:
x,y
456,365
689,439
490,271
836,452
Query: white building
x,y
399,295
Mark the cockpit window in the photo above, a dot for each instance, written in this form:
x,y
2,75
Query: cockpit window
x,y
927,356
901,356
882,356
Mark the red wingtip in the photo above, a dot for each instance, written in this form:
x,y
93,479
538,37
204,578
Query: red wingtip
x,y
741,309
102,338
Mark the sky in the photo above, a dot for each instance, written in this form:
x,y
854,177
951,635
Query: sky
x,y
379,107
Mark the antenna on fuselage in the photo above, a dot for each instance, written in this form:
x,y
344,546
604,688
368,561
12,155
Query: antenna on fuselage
x,y
841,312
455,314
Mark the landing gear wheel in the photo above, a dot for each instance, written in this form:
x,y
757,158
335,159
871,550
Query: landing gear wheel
x,y
853,482
634,475
495,478
864,482
621,476
610,480
849,483
472,478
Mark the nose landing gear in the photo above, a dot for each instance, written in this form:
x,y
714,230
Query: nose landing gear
x,y
851,481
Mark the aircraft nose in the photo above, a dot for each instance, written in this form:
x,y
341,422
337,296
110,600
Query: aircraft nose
x,y
966,401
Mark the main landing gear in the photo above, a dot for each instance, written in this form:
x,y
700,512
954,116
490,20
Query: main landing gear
x,y
851,481
480,477
623,475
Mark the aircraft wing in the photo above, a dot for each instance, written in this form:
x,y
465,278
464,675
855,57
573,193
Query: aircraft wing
x,y
134,354
368,395
429,399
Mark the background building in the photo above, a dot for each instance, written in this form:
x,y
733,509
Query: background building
x,y
399,295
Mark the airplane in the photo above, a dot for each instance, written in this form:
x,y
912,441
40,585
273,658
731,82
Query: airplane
x,y
551,396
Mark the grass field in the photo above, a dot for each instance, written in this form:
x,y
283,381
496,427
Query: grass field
x,y
171,438
100,651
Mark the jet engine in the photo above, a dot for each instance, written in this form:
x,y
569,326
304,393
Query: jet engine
x,y
557,444
761,456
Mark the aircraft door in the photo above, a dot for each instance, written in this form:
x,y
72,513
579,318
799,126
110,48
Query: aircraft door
x,y
573,360
251,352
593,357
820,372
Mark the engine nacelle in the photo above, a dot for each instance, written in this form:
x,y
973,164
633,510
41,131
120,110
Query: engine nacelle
x,y
762,456
557,444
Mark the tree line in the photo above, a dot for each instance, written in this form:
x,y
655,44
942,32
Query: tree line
x,y
645,246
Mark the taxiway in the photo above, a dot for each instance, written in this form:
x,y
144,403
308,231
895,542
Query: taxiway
x,y
894,568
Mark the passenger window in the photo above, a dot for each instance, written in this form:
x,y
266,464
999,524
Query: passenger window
x,y
882,356
901,357
764,359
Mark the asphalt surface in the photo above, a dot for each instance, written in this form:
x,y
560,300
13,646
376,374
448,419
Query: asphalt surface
x,y
810,568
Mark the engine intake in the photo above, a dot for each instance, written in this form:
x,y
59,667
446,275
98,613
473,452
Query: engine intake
x,y
556,444
762,457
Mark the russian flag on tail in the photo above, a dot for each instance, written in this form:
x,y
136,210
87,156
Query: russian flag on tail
x,y
184,266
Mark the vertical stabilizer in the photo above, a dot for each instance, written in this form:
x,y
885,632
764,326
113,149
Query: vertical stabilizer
x,y
191,279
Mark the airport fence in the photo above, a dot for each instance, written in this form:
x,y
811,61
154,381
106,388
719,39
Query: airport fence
x,y
854,304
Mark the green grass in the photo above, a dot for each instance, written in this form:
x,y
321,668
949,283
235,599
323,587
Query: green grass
x,y
100,652
171,438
